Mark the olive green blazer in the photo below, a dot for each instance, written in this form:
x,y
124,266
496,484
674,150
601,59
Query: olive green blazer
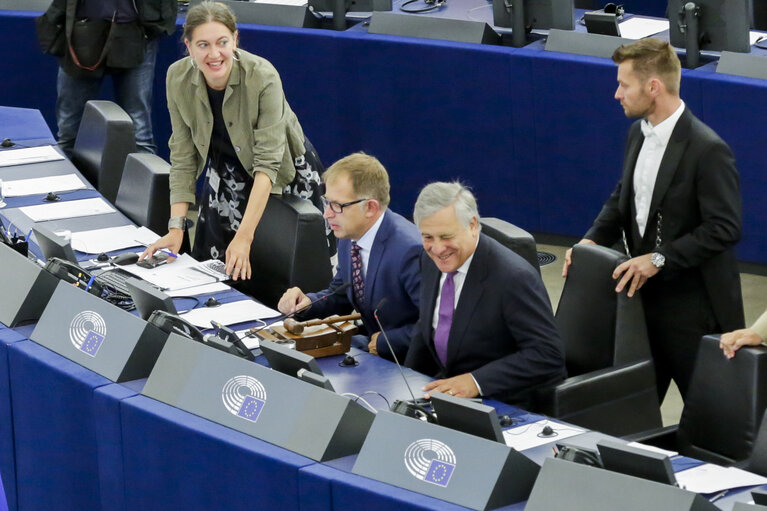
x,y
265,132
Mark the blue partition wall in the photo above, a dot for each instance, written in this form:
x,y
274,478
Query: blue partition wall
x,y
538,135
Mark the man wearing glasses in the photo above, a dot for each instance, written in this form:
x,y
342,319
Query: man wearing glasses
x,y
378,258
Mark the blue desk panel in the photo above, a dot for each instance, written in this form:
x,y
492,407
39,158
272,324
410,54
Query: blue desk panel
x,y
176,460
56,432
8,337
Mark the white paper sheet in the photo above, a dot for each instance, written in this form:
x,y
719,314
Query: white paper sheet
x,y
250,342
299,3
708,478
112,238
754,36
69,209
173,276
526,437
204,289
229,313
637,28
652,448
38,185
26,155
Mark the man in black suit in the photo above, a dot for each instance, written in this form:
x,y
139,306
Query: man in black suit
x,y
677,210
485,325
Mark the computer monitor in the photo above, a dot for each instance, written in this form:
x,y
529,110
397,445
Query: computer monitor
x,y
53,245
287,360
714,25
522,16
636,462
467,416
148,298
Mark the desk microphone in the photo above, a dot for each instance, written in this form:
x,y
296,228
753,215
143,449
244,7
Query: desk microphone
x,y
409,409
340,289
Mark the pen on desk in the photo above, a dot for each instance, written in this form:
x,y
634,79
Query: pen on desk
x,y
28,235
718,496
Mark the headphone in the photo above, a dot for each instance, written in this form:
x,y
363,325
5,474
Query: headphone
x,y
617,9
430,6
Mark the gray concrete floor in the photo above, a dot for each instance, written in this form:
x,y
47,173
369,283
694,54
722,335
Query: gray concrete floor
x,y
754,297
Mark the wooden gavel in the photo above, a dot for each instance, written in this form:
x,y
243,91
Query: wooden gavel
x,y
297,327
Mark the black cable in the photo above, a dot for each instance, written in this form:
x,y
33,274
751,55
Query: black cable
x,y
431,6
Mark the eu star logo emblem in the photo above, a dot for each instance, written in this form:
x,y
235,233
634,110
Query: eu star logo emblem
x,y
439,473
251,408
92,343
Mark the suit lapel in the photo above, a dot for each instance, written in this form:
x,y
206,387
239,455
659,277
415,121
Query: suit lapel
x,y
430,276
471,293
376,255
632,153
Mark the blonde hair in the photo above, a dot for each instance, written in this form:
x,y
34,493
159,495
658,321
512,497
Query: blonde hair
x,y
368,176
652,57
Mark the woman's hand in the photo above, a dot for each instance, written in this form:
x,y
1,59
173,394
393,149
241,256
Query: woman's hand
x,y
171,241
238,257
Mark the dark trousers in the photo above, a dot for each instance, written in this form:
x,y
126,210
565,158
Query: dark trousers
x,y
678,313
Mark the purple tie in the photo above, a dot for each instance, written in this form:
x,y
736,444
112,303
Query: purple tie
x,y
357,282
445,318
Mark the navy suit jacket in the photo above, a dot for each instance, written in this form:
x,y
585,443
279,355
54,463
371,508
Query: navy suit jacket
x,y
393,273
503,330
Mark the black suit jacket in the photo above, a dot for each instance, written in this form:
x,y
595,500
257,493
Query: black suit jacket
x,y
696,209
503,330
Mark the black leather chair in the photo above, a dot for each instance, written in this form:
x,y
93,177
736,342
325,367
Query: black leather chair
x,y
518,240
723,408
144,194
289,249
105,138
611,377
757,461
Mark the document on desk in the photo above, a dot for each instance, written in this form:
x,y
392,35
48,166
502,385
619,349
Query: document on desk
x,y
203,289
529,435
639,28
69,209
40,185
230,313
709,478
27,155
112,238
173,276
755,36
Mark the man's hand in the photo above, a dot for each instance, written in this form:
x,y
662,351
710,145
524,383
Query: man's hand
x,y
373,346
733,341
461,386
569,255
635,271
292,300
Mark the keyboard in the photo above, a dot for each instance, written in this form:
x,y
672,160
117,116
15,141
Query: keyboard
x,y
115,278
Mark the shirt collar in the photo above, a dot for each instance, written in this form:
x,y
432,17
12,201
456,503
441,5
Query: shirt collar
x,y
367,239
664,128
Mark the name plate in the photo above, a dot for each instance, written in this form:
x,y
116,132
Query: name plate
x,y
28,288
444,463
257,401
98,335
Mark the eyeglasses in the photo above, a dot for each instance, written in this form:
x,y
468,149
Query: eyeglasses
x,y
335,207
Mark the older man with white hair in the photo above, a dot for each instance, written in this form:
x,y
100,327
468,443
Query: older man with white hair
x,y
485,325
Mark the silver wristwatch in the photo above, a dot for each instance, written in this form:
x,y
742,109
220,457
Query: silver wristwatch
x,y
658,260
177,222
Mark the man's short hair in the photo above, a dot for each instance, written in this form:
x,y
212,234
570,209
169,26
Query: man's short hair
x,y
652,57
436,196
368,176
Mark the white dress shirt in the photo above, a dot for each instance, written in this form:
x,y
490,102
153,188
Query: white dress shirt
x,y
366,244
458,280
648,163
